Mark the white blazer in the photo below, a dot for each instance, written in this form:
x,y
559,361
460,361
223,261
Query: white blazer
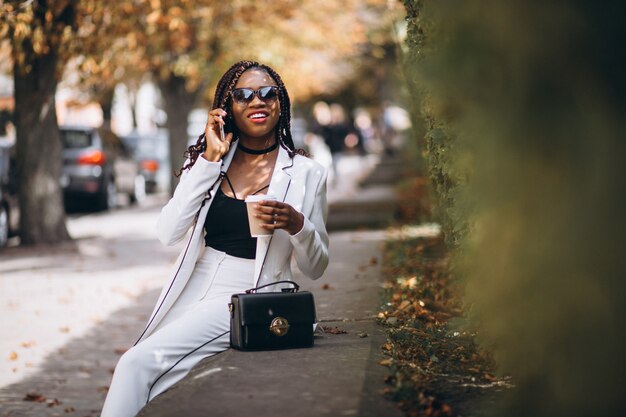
x,y
299,181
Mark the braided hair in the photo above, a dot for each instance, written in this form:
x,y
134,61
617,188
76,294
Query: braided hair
x,y
222,99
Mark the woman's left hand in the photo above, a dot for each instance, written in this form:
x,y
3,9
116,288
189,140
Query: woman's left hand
x,y
278,215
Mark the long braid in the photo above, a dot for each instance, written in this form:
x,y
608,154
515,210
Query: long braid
x,y
221,99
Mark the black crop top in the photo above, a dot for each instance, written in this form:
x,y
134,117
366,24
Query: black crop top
x,y
227,227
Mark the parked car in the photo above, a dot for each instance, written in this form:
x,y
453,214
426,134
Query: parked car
x,y
151,151
9,212
97,165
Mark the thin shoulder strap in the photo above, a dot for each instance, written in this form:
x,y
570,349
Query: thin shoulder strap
x,y
261,189
230,185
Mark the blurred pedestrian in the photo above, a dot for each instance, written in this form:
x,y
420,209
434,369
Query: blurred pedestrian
x,y
333,127
191,319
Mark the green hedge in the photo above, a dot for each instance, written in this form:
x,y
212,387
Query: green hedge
x,y
431,133
525,109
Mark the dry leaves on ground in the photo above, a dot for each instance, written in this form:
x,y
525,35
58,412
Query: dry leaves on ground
x,y
333,330
431,364
35,397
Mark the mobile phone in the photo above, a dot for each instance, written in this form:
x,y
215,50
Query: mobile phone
x,y
222,136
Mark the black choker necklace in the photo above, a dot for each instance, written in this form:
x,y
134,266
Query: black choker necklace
x,y
257,151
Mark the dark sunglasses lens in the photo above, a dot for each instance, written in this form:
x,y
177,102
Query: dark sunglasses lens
x,y
243,94
268,93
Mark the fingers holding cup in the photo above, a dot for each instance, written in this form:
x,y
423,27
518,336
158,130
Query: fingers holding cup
x,y
279,215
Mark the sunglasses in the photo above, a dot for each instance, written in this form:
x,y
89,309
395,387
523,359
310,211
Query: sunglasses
x,y
246,95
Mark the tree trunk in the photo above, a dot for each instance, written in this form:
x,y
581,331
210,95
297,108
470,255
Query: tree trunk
x,y
39,153
178,104
132,101
105,99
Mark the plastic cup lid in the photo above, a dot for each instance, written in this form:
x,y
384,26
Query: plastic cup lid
x,y
259,197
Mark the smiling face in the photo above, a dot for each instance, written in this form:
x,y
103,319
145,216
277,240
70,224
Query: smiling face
x,y
256,120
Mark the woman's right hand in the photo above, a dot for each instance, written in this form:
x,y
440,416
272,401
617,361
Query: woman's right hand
x,y
215,147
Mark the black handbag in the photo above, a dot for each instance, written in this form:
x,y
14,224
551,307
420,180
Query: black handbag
x,y
272,320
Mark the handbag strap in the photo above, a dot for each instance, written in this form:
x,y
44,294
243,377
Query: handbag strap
x,y
295,288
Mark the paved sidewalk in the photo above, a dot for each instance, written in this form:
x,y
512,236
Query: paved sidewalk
x,y
339,376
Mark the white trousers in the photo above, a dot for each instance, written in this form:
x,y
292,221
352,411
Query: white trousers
x,y
196,327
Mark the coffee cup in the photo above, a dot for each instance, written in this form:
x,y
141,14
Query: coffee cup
x,y
255,229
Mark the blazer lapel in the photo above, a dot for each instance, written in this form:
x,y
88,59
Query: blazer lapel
x,y
279,186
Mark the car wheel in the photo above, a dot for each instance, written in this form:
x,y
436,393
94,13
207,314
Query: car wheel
x,y
107,199
139,191
4,227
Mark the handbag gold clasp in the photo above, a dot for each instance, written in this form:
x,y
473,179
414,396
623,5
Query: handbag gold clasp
x,y
279,326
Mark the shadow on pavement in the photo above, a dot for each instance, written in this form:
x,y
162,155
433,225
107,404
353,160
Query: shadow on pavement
x,y
73,380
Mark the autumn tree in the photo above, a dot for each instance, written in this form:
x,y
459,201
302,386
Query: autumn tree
x,y
37,32
175,42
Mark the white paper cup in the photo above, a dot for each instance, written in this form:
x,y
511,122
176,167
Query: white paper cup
x,y
255,229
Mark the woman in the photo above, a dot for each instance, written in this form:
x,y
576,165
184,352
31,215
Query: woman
x,y
191,320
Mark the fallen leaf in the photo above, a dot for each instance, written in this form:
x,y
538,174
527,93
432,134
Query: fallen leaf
x,y
362,334
489,377
64,329
441,317
69,409
386,362
35,397
434,306
27,344
374,260
13,356
53,403
326,287
333,330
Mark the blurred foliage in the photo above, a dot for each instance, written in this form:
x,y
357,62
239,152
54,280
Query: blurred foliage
x,y
526,146
197,40
125,41
435,370
35,31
